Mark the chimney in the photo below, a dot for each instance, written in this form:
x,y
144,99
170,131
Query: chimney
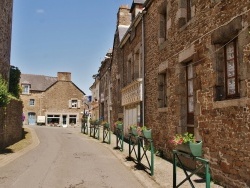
x,y
123,15
64,76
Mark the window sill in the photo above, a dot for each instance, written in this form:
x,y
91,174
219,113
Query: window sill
x,y
232,102
164,109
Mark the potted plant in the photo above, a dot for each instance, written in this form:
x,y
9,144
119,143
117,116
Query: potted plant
x,y
188,144
147,133
135,130
118,124
105,124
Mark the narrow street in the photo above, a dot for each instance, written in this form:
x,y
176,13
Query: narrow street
x,y
65,159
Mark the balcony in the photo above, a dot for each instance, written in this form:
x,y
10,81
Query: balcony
x,y
132,93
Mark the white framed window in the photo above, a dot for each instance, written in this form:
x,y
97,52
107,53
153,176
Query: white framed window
x,y
25,88
32,102
74,103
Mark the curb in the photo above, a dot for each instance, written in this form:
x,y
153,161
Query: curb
x,y
7,158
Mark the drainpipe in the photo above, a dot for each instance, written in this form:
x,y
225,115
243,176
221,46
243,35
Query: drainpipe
x,y
143,70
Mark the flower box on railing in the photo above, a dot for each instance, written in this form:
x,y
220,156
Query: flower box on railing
x,y
193,148
119,126
134,131
147,133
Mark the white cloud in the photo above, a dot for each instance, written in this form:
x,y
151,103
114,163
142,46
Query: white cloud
x,y
40,11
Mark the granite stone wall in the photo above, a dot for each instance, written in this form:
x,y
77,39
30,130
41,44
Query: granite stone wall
x,y
11,130
223,125
5,36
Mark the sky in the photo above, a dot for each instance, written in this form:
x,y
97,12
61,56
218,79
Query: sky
x,y
50,36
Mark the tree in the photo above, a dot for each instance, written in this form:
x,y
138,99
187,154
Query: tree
x,y
14,80
4,95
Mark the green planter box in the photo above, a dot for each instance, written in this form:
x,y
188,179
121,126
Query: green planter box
x,y
195,149
134,131
147,133
106,125
119,126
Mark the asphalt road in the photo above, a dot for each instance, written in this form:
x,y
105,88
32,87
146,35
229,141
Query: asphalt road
x,y
65,159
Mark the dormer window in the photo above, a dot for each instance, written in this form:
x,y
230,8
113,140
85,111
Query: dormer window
x,y
26,89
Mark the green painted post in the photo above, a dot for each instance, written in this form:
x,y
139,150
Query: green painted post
x,y
98,129
109,136
129,147
122,138
174,169
152,157
139,149
207,175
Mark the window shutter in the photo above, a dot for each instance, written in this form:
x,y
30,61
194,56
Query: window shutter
x,y
70,106
79,104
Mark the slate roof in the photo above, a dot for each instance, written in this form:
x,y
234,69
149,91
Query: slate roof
x,y
122,29
38,82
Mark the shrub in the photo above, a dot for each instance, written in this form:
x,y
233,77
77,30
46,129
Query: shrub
x,y
4,95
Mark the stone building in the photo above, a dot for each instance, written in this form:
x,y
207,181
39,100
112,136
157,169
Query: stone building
x,y
123,23
11,130
105,87
132,71
94,104
6,7
194,63
197,80
56,98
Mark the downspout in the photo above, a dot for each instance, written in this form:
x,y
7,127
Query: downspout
x,y
143,70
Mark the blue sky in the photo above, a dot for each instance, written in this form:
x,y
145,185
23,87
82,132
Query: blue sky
x,y
50,36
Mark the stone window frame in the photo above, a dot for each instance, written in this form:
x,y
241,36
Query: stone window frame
x,y
190,92
186,11
221,37
137,61
32,102
162,84
187,56
130,69
74,103
163,20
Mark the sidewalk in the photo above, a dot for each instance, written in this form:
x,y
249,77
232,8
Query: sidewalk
x,y
163,169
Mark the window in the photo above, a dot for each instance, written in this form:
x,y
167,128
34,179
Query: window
x,y
72,119
162,90
226,69
130,71
163,23
32,102
25,88
74,103
190,94
188,10
136,65
185,12
231,70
